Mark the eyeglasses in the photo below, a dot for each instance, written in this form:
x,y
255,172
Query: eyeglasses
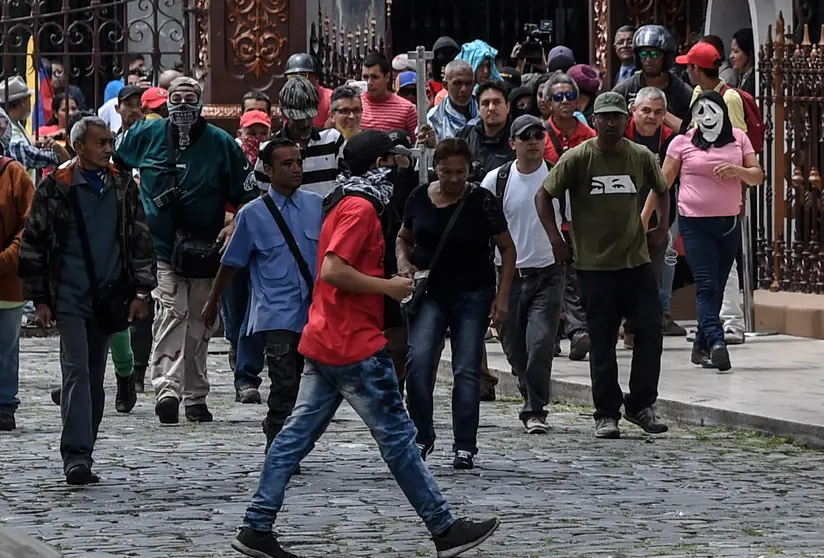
x,y
348,112
569,96
534,135
654,54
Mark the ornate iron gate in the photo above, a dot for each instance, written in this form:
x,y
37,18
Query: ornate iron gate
x,y
790,204
95,40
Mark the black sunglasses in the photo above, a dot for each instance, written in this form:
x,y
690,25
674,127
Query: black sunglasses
x,y
533,135
569,95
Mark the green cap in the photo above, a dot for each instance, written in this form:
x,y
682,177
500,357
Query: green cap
x,y
610,102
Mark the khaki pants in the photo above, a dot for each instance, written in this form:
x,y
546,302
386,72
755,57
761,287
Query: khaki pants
x,y
181,339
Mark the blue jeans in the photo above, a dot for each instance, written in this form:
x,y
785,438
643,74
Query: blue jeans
x,y
467,317
371,388
710,244
11,320
670,260
248,348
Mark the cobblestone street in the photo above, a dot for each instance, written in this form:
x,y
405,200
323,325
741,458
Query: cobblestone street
x,y
181,491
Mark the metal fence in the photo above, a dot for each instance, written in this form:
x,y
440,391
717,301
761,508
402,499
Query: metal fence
x,y
788,210
89,44
340,50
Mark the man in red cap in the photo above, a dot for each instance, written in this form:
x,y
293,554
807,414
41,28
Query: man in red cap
x,y
703,63
153,102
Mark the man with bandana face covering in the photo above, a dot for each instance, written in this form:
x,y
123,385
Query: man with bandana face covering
x,y
189,170
712,160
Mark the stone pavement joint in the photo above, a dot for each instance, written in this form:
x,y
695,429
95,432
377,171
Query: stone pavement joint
x,y
776,387
180,492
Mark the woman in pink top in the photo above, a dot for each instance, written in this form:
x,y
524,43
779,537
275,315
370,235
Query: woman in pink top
x,y
711,160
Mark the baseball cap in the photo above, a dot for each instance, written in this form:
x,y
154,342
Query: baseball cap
x,y
400,138
560,58
406,79
401,63
524,123
368,145
610,102
703,55
511,75
154,97
130,91
253,117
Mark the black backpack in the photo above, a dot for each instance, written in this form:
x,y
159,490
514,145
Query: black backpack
x,y
503,178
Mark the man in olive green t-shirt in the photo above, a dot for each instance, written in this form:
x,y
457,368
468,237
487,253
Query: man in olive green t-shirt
x,y
603,176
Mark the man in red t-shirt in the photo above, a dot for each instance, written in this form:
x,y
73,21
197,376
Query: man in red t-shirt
x,y
346,359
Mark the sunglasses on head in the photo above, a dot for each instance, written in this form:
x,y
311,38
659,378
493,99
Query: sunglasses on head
x,y
569,96
654,54
533,135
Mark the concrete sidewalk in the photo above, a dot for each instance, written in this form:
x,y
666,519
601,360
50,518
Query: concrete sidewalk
x,y
776,388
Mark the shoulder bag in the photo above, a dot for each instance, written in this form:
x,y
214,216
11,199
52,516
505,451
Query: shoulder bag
x,y
290,240
110,302
194,256
412,305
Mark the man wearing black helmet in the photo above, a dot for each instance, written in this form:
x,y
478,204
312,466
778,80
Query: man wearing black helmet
x,y
303,64
654,48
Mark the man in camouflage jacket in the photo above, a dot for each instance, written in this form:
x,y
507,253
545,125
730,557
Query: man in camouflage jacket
x,y
54,275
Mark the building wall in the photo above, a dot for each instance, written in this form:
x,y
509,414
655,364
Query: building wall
x,y
725,17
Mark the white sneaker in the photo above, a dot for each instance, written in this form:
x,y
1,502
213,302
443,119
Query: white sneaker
x,y
536,425
732,337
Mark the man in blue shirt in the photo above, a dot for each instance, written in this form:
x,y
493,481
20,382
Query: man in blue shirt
x,y
281,278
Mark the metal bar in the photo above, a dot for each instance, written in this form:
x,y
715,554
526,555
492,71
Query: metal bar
x,y
420,56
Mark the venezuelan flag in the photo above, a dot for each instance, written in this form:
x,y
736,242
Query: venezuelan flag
x,y
32,81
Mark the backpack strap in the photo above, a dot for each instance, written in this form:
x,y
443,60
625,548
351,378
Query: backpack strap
x,y
4,162
503,178
556,141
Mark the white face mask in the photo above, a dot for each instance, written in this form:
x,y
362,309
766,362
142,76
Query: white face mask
x,y
710,119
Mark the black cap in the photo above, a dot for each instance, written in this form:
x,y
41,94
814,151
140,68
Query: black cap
x,y
129,91
369,145
400,138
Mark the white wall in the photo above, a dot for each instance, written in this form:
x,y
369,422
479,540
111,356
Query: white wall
x,y
725,17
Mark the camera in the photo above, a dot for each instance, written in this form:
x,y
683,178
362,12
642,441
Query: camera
x,y
538,39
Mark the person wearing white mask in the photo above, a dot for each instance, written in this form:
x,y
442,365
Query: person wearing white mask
x,y
712,160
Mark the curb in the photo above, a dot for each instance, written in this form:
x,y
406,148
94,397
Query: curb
x,y
697,414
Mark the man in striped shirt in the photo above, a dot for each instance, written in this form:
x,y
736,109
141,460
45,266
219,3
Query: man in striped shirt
x,y
321,149
382,109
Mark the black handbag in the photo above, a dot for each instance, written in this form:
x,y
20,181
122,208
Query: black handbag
x,y
110,302
291,242
195,254
412,305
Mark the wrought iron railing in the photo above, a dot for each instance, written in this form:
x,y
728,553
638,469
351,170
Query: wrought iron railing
x,y
94,41
789,209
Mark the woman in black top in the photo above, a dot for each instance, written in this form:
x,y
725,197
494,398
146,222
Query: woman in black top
x,y
461,292
744,60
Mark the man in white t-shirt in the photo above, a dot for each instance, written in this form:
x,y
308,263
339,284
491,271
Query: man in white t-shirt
x,y
528,335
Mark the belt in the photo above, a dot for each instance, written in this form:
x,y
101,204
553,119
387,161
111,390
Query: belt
x,y
525,271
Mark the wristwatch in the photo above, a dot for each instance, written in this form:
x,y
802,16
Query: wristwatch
x,y
144,297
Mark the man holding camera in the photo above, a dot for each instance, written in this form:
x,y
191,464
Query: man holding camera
x,y
189,170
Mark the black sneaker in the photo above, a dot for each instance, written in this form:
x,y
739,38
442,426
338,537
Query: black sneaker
x,y
258,544
167,410
557,352
7,422
701,358
198,413
720,358
140,379
247,394
671,329
463,460
126,397
648,419
81,474
607,428
464,535
426,449
579,347
56,393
